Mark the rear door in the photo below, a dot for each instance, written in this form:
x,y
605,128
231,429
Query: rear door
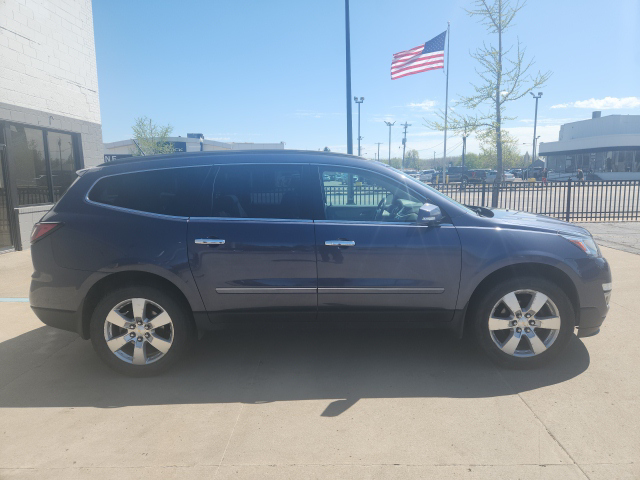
x,y
254,254
374,261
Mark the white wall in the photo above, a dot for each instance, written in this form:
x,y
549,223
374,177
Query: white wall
x,y
48,58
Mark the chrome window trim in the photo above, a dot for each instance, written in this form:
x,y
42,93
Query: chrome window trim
x,y
255,220
372,222
131,210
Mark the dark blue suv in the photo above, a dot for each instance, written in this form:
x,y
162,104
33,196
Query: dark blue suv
x,y
142,255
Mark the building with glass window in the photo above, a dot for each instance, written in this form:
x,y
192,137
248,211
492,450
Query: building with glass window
x,y
193,142
49,108
604,148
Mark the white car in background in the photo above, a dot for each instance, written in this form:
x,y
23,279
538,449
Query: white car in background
x,y
506,177
426,175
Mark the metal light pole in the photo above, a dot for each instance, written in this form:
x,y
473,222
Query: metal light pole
x,y
378,143
355,99
464,150
389,124
404,141
535,124
348,52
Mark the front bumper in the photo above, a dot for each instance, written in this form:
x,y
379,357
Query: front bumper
x,y
594,291
591,319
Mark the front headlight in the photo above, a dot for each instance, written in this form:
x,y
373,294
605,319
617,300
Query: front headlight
x,y
586,244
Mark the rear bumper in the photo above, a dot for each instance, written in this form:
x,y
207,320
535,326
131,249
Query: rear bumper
x,y
62,319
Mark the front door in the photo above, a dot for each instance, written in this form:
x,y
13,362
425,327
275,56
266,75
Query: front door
x,y
255,253
374,261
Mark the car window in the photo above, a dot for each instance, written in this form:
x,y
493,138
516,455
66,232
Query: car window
x,y
259,191
357,195
167,191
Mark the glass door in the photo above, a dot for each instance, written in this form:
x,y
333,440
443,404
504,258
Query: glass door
x,y
5,221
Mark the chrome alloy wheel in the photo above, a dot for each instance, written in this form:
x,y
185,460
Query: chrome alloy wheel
x,y
138,331
524,323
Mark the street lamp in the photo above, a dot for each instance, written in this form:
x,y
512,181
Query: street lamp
x,y
355,99
389,124
535,124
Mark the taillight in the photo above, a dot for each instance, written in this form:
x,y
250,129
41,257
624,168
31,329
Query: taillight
x,y
43,229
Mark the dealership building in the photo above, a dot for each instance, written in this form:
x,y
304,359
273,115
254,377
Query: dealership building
x,y
193,142
604,148
49,108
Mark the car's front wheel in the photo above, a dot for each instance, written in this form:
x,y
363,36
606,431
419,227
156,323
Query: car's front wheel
x,y
141,330
523,323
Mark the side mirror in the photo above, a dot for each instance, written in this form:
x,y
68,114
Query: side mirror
x,y
429,215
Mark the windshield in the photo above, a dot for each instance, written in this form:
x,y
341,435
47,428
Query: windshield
x,y
432,191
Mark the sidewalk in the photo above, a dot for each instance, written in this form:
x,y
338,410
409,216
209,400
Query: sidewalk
x,y
623,236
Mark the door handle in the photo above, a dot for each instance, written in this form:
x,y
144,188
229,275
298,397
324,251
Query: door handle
x,y
340,243
209,241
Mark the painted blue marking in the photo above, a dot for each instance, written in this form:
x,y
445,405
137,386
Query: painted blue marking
x,y
24,300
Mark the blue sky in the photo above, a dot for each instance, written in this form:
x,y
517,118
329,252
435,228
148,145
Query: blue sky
x,y
271,71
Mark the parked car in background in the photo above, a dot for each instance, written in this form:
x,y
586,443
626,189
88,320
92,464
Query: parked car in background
x,y
427,175
490,177
458,174
478,175
141,255
517,172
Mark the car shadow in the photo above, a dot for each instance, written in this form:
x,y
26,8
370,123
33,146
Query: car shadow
x,y
50,368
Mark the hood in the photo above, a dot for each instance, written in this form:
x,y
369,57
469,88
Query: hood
x,y
531,221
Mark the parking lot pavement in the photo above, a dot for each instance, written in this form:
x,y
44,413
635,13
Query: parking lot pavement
x,y
623,236
319,404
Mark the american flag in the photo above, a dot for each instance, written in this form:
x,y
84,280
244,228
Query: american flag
x,y
429,56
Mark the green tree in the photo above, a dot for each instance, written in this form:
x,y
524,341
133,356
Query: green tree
x,y
412,159
396,162
151,138
488,151
504,73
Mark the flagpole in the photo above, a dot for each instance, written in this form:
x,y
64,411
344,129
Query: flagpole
x,y
446,105
348,58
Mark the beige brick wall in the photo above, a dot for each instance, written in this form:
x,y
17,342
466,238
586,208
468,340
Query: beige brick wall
x,y
48,58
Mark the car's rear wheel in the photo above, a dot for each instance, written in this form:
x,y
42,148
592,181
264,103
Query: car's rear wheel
x,y
140,330
523,323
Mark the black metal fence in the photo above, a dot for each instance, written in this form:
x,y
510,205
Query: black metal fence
x,y
604,201
35,195
362,194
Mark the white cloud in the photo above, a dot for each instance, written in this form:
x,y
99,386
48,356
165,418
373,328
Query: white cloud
x,y
606,103
426,105
382,118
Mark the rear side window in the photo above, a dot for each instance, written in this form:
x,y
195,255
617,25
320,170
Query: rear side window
x,y
169,191
259,191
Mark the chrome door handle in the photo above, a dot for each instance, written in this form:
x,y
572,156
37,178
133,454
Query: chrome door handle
x,y
209,241
340,243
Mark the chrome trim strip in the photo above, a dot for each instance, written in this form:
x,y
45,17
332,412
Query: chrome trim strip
x,y
209,241
266,290
379,290
255,220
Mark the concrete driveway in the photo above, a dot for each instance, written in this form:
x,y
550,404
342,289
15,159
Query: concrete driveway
x,y
336,404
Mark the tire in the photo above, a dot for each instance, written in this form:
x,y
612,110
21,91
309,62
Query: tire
x,y
129,346
534,345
